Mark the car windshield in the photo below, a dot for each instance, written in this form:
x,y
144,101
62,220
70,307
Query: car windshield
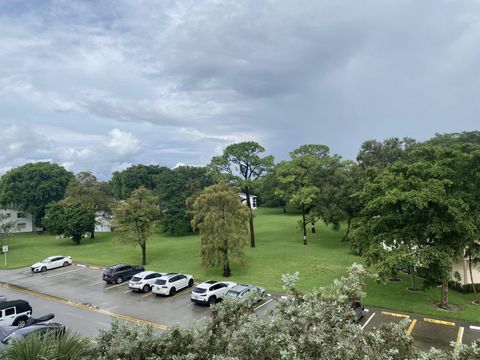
x,y
136,278
160,282
109,271
232,294
199,290
47,260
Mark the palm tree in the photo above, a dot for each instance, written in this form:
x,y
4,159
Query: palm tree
x,y
69,346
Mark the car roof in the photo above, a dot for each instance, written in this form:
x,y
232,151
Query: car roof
x,y
145,273
116,266
241,287
22,304
169,275
35,327
207,284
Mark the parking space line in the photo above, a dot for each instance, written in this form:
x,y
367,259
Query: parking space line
x,y
128,291
474,327
147,294
440,322
395,314
368,320
64,272
262,305
114,286
177,294
412,325
95,283
460,335
84,306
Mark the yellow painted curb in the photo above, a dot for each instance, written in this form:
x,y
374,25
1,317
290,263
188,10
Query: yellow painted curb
x,y
412,325
440,322
460,335
396,314
83,306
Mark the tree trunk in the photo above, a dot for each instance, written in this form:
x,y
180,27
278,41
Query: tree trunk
x,y
250,218
471,272
92,234
347,232
144,254
412,275
226,262
444,298
313,227
304,223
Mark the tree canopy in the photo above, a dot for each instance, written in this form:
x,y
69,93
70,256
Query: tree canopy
x,y
33,186
221,219
73,219
126,181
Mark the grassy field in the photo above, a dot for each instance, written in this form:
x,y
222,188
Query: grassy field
x,y
279,250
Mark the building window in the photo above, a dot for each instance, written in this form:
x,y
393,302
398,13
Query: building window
x,y
21,226
8,215
21,215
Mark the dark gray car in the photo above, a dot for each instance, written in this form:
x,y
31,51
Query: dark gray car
x,y
120,272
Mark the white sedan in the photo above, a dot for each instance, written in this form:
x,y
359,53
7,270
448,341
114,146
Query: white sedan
x,y
51,262
211,291
171,283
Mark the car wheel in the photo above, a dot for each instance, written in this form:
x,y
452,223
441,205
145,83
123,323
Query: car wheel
x,y
172,291
190,283
21,323
212,300
146,288
119,280
43,269
65,264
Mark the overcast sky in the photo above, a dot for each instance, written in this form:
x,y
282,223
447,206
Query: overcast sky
x,y
100,85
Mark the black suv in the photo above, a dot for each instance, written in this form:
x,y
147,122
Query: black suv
x,y
120,272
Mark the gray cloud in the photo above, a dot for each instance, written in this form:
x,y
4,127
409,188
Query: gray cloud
x,y
175,82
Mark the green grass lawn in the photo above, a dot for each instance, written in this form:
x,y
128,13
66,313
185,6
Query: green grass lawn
x,y
279,250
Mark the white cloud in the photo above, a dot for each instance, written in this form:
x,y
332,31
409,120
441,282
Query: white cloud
x,y
122,143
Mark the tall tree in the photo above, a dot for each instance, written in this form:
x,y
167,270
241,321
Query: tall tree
x,y
73,219
136,219
242,164
85,188
7,227
33,186
416,206
297,184
173,188
126,181
221,219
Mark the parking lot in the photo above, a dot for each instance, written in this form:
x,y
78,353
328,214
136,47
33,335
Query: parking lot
x,y
83,301
83,288
427,331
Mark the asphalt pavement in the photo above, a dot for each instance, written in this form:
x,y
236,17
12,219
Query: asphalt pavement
x,y
80,299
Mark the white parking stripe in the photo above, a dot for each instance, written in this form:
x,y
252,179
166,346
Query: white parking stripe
x,y
126,292
366,322
474,327
95,283
64,272
265,303
114,286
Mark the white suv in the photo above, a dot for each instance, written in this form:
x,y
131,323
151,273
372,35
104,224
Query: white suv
x,y
171,283
143,281
15,313
211,291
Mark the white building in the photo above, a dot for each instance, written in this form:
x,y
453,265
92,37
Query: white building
x,y
462,268
103,221
24,221
253,200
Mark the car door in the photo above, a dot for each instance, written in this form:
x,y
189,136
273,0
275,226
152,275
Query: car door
x,y
221,289
8,316
151,278
127,272
182,281
56,262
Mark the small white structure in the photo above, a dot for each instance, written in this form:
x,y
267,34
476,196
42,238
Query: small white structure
x,y
462,268
253,200
24,221
103,221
